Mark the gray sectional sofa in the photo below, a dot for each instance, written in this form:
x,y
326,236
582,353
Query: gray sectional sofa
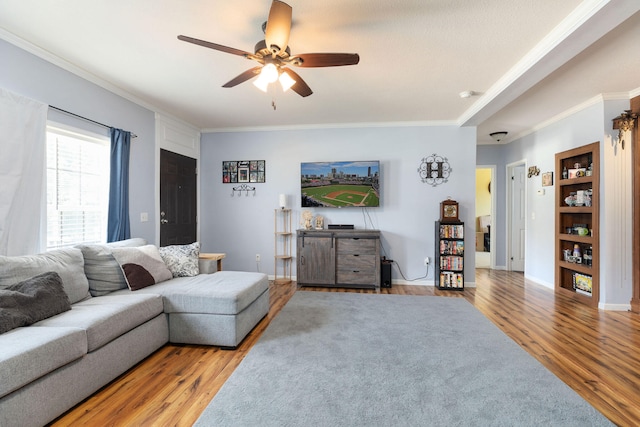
x,y
51,365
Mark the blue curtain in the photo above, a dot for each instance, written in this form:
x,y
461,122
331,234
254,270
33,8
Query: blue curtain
x,y
118,227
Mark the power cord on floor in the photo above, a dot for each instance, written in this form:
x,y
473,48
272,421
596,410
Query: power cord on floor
x,y
384,258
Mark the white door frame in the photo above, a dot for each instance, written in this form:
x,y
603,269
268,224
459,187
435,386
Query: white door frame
x,y
509,208
492,230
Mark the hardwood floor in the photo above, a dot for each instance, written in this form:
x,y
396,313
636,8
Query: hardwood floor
x,y
596,353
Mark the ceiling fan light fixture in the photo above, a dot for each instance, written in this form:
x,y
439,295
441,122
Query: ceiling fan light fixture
x,y
286,81
269,73
261,83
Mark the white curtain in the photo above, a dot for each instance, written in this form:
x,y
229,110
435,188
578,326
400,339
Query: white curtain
x,y
23,123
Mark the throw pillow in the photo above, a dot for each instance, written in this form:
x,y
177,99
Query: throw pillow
x,y
102,270
182,260
142,266
32,300
67,262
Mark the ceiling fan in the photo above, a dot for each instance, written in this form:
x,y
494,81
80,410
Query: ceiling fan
x,y
274,56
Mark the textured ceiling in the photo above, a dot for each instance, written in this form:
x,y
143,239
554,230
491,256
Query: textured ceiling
x,y
526,60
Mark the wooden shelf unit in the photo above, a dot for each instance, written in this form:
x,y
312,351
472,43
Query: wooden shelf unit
x,y
567,216
282,246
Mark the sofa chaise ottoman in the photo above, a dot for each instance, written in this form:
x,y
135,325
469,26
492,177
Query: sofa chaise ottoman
x,y
53,364
219,309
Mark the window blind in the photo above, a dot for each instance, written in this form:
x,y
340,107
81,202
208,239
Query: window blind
x,y
77,188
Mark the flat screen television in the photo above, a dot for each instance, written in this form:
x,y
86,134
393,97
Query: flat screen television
x,y
340,184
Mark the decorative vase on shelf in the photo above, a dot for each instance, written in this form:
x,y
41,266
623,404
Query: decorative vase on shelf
x,y
570,199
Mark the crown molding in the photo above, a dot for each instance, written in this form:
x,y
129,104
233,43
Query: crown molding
x,y
433,123
585,25
615,96
81,72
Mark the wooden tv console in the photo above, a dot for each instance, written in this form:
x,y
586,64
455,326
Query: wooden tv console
x,y
338,258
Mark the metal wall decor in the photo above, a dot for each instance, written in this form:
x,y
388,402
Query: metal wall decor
x,y
533,171
244,187
243,171
434,170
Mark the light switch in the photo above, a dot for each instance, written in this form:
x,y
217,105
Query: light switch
x,y
144,216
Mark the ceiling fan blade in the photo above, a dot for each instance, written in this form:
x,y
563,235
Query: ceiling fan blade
x,y
299,87
325,59
243,77
215,46
278,26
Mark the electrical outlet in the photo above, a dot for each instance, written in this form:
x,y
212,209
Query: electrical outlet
x,y
426,261
257,257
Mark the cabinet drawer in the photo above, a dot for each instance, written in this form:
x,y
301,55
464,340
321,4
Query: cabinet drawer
x,y
356,262
356,245
350,277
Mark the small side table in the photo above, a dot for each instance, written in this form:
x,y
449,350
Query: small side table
x,y
214,257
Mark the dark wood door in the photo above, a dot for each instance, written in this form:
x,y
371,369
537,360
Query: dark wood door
x,y
178,192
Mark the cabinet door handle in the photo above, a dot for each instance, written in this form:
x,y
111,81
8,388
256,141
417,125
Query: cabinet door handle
x,y
356,254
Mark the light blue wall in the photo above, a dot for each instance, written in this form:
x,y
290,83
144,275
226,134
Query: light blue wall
x,y
588,125
243,226
30,76
489,155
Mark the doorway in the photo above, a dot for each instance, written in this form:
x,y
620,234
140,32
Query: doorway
x,y
485,216
178,204
516,215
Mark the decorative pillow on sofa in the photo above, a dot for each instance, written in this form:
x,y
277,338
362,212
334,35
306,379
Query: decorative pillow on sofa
x,y
142,266
32,300
182,260
67,262
102,269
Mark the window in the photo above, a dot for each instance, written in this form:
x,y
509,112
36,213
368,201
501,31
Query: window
x,y
77,188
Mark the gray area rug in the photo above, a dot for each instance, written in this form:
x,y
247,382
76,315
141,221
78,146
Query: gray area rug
x,y
348,359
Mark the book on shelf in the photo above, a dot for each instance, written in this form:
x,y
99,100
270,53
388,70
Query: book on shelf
x,y
450,279
451,247
451,262
452,231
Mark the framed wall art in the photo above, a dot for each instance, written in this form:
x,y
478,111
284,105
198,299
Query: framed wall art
x,y
235,171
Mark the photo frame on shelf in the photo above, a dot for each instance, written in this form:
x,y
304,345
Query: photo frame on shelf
x,y
235,171
547,179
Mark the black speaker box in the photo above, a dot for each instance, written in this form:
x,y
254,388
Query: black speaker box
x,y
385,273
340,227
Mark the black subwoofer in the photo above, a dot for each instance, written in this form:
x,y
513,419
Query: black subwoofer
x,y
385,273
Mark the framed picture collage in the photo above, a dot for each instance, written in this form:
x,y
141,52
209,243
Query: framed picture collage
x,y
235,171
